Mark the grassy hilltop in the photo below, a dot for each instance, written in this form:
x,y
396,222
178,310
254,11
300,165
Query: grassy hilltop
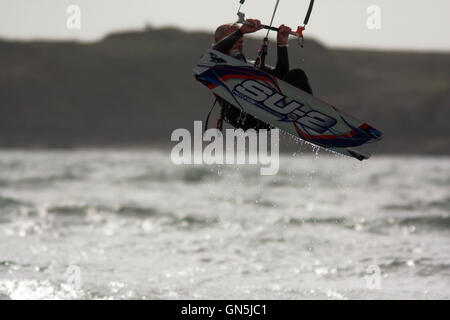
x,y
134,88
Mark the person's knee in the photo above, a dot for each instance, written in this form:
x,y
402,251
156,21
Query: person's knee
x,y
296,74
298,78
298,71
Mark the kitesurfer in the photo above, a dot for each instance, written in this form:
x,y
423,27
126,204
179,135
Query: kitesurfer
x,y
229,40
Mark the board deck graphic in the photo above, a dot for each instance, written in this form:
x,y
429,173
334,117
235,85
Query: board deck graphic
x,y
285,106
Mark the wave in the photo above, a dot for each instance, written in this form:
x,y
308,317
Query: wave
x,y
6,202
69,210
137,211
195,175
6,263
194,221
429,222
424,267
417,223
82,211
190,174
311,220
167,218
419,205
40,181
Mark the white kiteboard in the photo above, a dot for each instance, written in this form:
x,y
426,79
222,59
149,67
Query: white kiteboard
x,y
284,106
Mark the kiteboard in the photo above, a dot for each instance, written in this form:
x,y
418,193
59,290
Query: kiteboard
x,y
284,106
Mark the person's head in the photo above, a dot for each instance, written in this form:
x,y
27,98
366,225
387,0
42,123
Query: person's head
x,y
225,30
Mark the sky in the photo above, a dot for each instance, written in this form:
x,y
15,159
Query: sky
x,y
403,24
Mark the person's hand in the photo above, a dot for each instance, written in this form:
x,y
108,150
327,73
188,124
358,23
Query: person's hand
x,y
246,28
283,34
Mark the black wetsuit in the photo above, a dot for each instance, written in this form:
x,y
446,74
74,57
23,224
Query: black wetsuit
x,y
296,77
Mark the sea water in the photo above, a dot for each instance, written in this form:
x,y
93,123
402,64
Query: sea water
x,y
129,224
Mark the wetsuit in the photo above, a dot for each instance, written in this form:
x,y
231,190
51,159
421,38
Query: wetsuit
x,y
235,116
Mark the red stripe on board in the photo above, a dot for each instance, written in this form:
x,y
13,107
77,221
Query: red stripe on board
x,y
350,134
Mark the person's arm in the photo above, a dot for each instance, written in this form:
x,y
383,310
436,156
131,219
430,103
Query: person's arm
x,y
282,67
228,42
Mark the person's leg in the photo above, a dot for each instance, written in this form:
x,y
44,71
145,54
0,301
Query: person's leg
x,y
298,78
231,114
250,122
242,120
